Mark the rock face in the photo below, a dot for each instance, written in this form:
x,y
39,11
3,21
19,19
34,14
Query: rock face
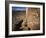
x,y
33,18
31,21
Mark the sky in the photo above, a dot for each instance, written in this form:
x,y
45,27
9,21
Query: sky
x,y
18,8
